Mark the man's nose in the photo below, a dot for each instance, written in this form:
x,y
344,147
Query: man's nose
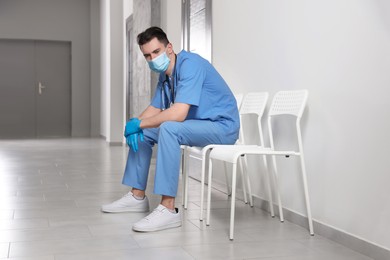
x,y
152,56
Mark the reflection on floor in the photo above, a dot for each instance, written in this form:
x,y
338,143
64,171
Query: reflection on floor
x,y
50,197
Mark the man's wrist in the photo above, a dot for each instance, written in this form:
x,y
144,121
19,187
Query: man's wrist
x,y
132,126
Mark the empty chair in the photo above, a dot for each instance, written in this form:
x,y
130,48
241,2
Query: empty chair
x,y
284,103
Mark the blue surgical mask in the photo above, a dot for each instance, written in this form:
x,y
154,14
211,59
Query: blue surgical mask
x,y
160,63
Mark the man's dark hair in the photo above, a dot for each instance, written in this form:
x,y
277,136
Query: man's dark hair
x,y
150,33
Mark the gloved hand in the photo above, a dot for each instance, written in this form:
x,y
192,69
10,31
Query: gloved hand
x,y
132,127
132,140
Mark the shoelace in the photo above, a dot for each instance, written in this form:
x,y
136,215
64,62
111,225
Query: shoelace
x,y
155,212
127,195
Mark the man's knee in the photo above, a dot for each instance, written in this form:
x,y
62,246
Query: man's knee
x,y
170,127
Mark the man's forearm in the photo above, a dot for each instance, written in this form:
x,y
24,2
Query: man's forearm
x,y
149,112
178,112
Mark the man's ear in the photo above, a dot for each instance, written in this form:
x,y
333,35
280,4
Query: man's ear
x,y
170,48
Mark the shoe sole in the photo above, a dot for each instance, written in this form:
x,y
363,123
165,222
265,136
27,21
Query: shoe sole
x,y
125,210
172,225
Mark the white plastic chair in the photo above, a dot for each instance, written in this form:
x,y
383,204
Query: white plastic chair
x,y
253,103
284,103
200,153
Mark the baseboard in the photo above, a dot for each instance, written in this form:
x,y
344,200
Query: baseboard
x,y
115,143
348,240
355,243
111,143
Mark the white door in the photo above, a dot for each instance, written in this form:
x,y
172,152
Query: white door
x,y
35,89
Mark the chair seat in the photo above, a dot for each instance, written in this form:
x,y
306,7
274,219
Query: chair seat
x,y
232,153
195,151
199,152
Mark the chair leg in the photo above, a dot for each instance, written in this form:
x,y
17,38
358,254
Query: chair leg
x,y
233,202
210,173
306,191
203,173
243,182
186,175
245,170
183,175
229,190
277,189
268,177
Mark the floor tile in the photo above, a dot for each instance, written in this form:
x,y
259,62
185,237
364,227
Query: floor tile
x,y
41,257
331,250
169,253
235,250
52,247
95,218
36,204
4,247
188,238
23,224
57,212
6,214
102,230
44,234
282,231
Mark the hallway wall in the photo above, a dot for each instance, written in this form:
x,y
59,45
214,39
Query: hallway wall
x,y
339,51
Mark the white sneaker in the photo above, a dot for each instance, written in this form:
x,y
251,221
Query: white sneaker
x,y
127,204
161,218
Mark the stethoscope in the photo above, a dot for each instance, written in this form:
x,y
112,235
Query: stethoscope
x,y
168,90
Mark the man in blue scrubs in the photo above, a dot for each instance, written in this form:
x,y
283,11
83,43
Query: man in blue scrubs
x,y
193,106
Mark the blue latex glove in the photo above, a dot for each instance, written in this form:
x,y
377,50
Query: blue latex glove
x,y
132,127
132,140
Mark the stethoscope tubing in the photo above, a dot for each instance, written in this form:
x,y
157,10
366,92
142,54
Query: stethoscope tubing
x,y
171,89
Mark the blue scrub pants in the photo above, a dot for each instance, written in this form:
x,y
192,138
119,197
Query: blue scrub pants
x,y
169,136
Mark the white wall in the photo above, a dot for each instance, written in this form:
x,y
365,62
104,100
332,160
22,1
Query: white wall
x,y
60,21
112,69
117,83
171,22
104,66
95,67
127,12
339,51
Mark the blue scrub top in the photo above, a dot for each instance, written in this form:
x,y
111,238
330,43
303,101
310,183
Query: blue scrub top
x,y
197,83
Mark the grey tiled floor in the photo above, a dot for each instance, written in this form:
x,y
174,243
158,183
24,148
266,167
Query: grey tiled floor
x,y
50,197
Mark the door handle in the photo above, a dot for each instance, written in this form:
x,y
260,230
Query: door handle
x,y
40,87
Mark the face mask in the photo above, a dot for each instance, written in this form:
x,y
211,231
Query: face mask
x,y
160,63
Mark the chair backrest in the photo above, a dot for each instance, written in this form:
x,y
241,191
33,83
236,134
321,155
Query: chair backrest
x,y
288,103
239,97
254,103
